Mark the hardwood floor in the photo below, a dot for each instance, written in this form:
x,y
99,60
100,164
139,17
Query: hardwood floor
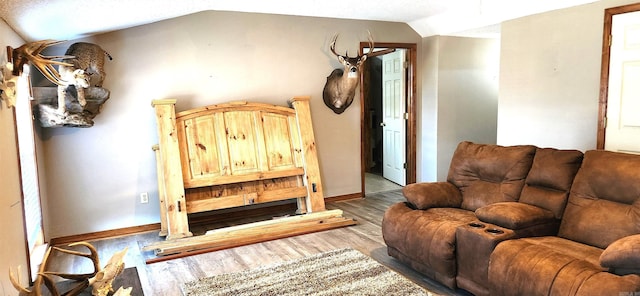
x,y
374,183
165,278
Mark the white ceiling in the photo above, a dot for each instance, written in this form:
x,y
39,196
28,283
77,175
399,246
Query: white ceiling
x,y
72,19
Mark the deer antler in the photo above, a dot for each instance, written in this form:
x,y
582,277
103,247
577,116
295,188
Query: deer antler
x,y
373,53
31,52
333,45
46,278
346,55
93,255
371,43
37,285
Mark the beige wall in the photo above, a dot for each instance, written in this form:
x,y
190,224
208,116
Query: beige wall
x,y
95,175
460,103
468,95
13,242
427,117
550,77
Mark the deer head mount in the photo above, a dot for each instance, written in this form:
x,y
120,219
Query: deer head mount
x,y
341,84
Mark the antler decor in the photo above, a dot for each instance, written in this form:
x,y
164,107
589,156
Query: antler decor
x,y
8,84
32,52
102,282
100,279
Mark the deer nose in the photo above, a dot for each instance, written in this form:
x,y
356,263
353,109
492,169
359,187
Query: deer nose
x,y
353,69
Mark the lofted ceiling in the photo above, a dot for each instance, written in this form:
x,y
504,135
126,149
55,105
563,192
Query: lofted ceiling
x,y
72,19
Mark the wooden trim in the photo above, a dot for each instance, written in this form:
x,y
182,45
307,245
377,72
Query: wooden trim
x,y
234,106
604,68
411,108
411,131
64,240
21,186
163,102
344,197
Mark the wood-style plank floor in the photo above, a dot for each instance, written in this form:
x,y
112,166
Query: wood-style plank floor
x,y
165,278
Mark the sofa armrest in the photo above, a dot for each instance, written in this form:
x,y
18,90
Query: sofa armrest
x,y
515,215
623,255
433,195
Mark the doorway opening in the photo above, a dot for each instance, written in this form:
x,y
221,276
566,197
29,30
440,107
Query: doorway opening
x,y
620,69
388,118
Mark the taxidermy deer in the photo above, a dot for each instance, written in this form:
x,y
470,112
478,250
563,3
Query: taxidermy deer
x,y
84,67
341,84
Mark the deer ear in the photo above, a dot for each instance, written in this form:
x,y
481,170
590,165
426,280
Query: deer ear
x,y
341,59
364,58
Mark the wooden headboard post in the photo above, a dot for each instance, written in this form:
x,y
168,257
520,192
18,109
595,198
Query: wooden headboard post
x,y
162,195
171,170
315,200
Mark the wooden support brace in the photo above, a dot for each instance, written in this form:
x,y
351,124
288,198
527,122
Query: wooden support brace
x,y
245,234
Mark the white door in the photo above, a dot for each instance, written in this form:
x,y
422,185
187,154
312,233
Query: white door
x,y
622,132
393,120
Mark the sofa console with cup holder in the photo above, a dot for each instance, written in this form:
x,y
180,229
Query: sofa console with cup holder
x,y
523,220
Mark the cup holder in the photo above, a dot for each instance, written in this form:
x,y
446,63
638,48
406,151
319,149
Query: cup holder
x,y
494,231
476,225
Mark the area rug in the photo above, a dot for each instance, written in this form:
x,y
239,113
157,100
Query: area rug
x,y
338,272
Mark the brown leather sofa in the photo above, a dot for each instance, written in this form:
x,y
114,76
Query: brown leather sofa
x,y
498,226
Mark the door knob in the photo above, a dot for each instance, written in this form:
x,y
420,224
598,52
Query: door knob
x,y
382,124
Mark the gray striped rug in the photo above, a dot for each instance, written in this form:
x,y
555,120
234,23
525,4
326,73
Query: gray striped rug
x,y
338,272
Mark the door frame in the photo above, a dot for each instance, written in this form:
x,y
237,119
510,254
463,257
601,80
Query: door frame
x,y
604,70
410,155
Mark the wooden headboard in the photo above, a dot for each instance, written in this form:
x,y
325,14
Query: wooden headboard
x,y
234,154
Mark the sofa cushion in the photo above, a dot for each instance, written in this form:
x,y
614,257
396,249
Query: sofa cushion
x,y
514,215
549,180
623,253
604,203
432,195
553,266
487,174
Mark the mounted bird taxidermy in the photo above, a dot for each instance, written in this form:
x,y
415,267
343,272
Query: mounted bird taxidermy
x,y
341,84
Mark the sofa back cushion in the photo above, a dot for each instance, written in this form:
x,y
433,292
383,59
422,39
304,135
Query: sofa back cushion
x,y
604,203
549,181
486,174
